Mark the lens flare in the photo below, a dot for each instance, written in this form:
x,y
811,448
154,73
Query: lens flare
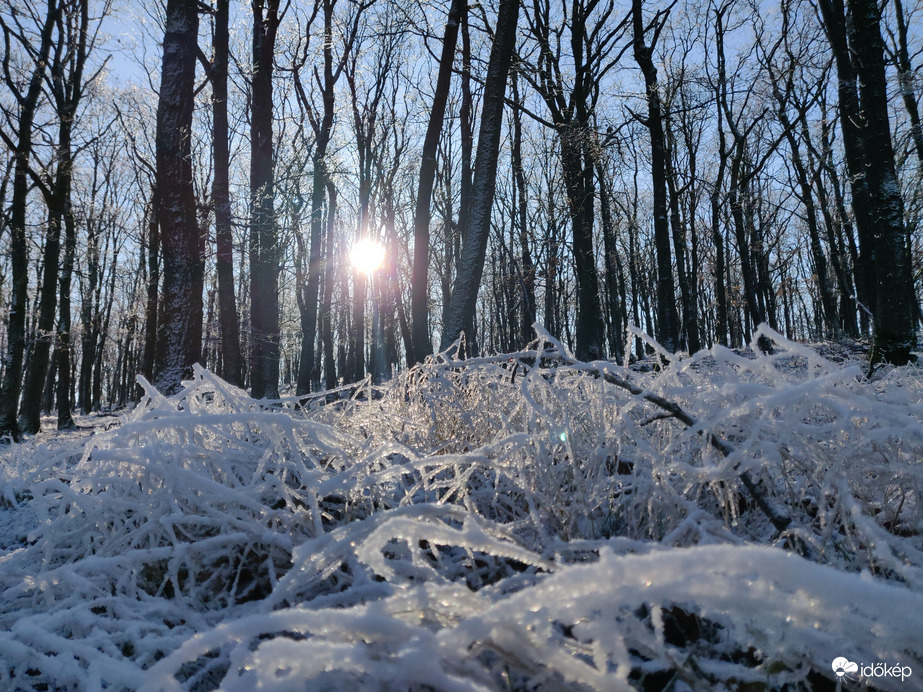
x,y
367,255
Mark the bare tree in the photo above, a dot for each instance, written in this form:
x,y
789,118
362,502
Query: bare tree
x,y
419,300
587,29
67,87
885,261
20,144
900,56
180,325
471,264
264,237
667,319
232,360
325,78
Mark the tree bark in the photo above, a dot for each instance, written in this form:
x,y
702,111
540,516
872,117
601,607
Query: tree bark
x,y
895,305
152,305
264,241
179,334
471,263
527,315
905,76
64,340
883,241
851,124
326,308
419,287
614,278
231,358
667,319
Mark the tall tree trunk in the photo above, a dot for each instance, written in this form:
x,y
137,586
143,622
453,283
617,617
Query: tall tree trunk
x,y
578,164
851,124
722,320
616,305
905,77
232,360
37,364
883,241
179,334
667,319
311,289
419,291
361,283
152,305
689,331
465,126
527,268
264,241
895,306
738,194
471,264
63,348
326,310
91,283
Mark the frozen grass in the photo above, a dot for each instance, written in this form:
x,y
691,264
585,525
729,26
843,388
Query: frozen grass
x,y
518,522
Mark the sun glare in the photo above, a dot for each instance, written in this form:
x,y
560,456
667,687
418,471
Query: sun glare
x,y
367,255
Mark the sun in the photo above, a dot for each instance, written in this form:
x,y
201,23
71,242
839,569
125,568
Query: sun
x,y
367,255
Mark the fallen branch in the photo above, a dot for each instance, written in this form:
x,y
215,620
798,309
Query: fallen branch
x,y
674,410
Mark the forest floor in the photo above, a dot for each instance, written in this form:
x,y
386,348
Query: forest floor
x,y
725,521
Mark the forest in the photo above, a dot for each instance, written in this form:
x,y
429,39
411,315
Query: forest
x,y
440,345
185,183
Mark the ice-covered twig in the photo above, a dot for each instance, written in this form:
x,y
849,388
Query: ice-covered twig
x,y
604,371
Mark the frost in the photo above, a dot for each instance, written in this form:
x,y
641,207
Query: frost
x,y
519,521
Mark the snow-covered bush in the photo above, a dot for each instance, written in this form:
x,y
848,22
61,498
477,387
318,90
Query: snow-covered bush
x,y
522,521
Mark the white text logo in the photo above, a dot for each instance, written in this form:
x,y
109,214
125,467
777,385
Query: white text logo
x,y
844,668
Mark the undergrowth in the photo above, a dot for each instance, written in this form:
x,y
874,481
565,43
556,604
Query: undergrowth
x,y
522,521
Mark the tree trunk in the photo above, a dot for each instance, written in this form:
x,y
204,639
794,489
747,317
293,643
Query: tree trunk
x,y
851,124
883,241
264,241
37,364
64,341
738,193
179,334
471,262
527,270
326,314
689,331
578,167
152,305
419,291
895,306
667,319
616,304
905,76
232,360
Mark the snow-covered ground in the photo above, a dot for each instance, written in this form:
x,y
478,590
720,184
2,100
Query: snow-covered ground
x,y
523,522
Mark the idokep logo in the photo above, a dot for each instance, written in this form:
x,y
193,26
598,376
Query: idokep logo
x,y
844,668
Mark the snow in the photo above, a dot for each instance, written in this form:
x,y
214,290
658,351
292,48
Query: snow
x,y
517,521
